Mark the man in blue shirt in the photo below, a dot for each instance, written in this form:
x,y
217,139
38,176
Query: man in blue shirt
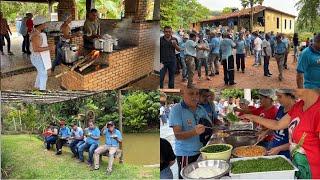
x,y
63,135
227,59
113,138
308,69
280,50
286,41
92,134
182,46
184,118
214,55
240,53
77,139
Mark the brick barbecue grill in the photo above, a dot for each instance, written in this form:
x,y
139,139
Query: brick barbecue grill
x,y
132,60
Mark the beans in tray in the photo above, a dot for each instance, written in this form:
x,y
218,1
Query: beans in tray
x,y
260,165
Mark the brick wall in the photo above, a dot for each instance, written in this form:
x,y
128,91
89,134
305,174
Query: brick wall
x,y
124,66
66,6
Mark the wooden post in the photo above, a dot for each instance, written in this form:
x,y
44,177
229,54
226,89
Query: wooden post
x,y
14,123
119,97
20,120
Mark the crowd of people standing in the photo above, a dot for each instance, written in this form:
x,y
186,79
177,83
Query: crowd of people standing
x,y
211,48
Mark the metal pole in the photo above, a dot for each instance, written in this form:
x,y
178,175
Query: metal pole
x,y
119,97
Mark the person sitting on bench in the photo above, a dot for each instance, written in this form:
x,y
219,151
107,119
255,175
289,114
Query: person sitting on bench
x,y
77,139
63,136
50,135
113,138
92,142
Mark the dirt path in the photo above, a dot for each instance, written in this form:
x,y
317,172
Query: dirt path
x,y
252,78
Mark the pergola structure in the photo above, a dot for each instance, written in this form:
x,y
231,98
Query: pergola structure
x,y
50,97
40,97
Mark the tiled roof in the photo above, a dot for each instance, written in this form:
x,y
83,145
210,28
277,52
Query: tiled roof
x,y
246,12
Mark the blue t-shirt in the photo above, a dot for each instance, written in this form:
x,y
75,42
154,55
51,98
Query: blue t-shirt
x,y
111,141
182,46
280,136
272,39
211,111
215,45
64,132
240,46
248,41
309,65
93,132
286,42
226,46
180,115
78,133
280,48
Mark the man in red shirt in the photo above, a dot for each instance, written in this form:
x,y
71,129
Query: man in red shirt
x,y
4,33
26,40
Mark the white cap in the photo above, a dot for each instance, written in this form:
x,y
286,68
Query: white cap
x,y
39,20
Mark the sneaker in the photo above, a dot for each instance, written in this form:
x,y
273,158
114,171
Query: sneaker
x,y
10,53
268,75
28,52
208,78
80,161
93,169
231,84
212,74
242,71
109,172
58,153
217,73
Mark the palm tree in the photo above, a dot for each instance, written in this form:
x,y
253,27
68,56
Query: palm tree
x,y
251,3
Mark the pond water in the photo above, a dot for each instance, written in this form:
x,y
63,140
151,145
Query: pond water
x,y
140,148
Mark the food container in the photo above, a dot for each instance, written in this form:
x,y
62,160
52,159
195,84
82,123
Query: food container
x,y
70,53
219,164
287,174
241,138
225,155
108,46
240,156
115,42
98,43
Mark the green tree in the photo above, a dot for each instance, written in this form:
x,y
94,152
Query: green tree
x,y
226,10
251,3
237,93
181,13
309,15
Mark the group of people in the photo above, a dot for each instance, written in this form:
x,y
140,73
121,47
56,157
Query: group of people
x,y
87,139
35,41
288,126
189,51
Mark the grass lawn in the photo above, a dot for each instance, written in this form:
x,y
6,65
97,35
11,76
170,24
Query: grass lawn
x,y
23,157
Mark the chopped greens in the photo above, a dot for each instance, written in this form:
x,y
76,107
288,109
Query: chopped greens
x,y
232,117
215,148
260,165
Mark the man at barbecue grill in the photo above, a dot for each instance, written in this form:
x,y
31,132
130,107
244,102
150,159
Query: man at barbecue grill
x,y
65,39
91,29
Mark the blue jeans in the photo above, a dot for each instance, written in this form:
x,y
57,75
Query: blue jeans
x,y
166,173
257,57
171,68
91,148
42,75
59,55
50,140
75,145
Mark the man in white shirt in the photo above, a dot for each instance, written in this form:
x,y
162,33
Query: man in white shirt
x,y
257,49
266,53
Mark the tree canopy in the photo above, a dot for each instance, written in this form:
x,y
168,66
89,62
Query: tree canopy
x,y
181,13
309,15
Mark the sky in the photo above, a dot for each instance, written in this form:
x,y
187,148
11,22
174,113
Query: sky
x,y
282,5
